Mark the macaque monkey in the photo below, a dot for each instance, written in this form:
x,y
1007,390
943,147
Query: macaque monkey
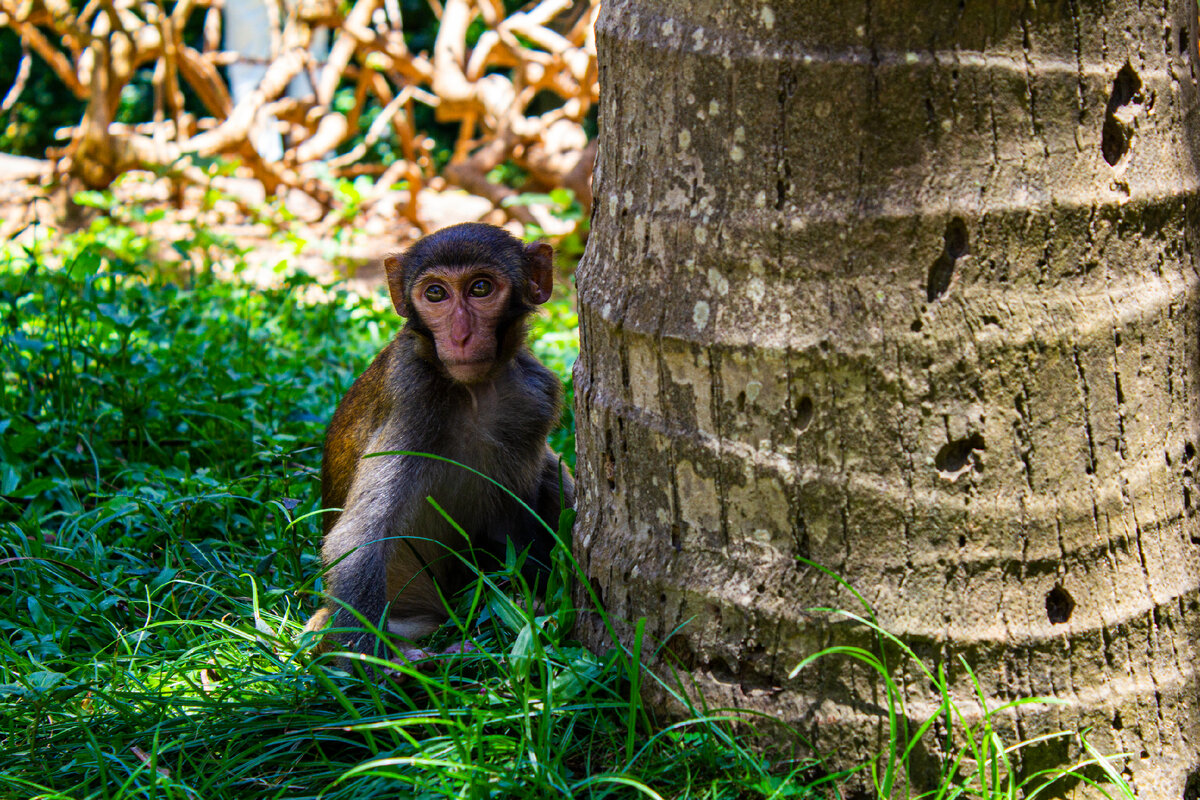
x,y
457,381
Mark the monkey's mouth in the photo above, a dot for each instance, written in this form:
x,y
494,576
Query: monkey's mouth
x,y
469,370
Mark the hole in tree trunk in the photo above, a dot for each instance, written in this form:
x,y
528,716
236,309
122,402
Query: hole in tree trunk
x,y
804,413
599,590
956,246
954,457
1059,605
1191,789
1117,134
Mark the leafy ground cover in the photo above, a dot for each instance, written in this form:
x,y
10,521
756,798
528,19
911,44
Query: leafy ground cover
x,y
158,537
158,474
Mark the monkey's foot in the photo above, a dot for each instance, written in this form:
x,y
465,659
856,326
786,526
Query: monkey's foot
x,y
422,659
420,654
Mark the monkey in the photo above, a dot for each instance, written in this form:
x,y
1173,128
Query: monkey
x,y
457,381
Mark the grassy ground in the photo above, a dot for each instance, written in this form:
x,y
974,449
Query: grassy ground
x,y
158,483
158,536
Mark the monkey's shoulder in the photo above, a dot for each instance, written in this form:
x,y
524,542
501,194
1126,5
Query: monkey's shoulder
x,y
369,400
541,382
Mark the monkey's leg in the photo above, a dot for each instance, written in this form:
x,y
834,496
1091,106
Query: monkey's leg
x,y
419,574
360,548
318,622
357,582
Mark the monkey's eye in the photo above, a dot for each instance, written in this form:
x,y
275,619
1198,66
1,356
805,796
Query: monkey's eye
x,y
435,293
480,288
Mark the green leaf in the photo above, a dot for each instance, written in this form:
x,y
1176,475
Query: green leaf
x,y
10,479
36,684
85,264
164,577
118,316
264,563
93,199
40,621
521,653
33,488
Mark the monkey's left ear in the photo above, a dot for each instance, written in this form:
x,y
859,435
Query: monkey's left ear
x,y
395,279
540,257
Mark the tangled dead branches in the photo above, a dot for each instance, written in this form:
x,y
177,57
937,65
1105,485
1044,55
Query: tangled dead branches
x,y
486,89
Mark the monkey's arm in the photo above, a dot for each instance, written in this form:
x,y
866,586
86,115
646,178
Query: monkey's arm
x,y
556,489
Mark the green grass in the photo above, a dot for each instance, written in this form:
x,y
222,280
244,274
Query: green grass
x,y
158,526
159,449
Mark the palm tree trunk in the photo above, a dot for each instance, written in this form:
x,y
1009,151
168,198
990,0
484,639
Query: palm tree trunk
x,y
909,290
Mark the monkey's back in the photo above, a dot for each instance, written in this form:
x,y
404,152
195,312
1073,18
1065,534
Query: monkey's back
x,y
358,415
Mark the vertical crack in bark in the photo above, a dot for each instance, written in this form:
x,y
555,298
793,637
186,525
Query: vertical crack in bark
x,y
787,84
872,101
1147,584
948,594
1109,641
910,470
995,132
676,511
1030,80
717,386
1025,446
843,477
1077,46
1085,401
1122,441
908,511
664,382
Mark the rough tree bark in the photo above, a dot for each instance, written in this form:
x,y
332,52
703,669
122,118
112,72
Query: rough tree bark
x,y
908,289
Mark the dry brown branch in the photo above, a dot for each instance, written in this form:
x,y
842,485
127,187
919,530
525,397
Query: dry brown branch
x,y
58,62
202,76
212,29
343,50
471,174
236,128
18,86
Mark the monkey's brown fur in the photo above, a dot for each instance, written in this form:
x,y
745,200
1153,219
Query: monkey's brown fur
x,y
389,550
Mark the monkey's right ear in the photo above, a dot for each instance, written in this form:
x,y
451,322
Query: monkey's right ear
x,y
540,259
395,280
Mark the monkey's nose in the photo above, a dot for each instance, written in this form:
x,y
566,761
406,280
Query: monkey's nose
x,y
460,333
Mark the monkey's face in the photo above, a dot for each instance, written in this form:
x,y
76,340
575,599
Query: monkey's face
x,y
463,308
